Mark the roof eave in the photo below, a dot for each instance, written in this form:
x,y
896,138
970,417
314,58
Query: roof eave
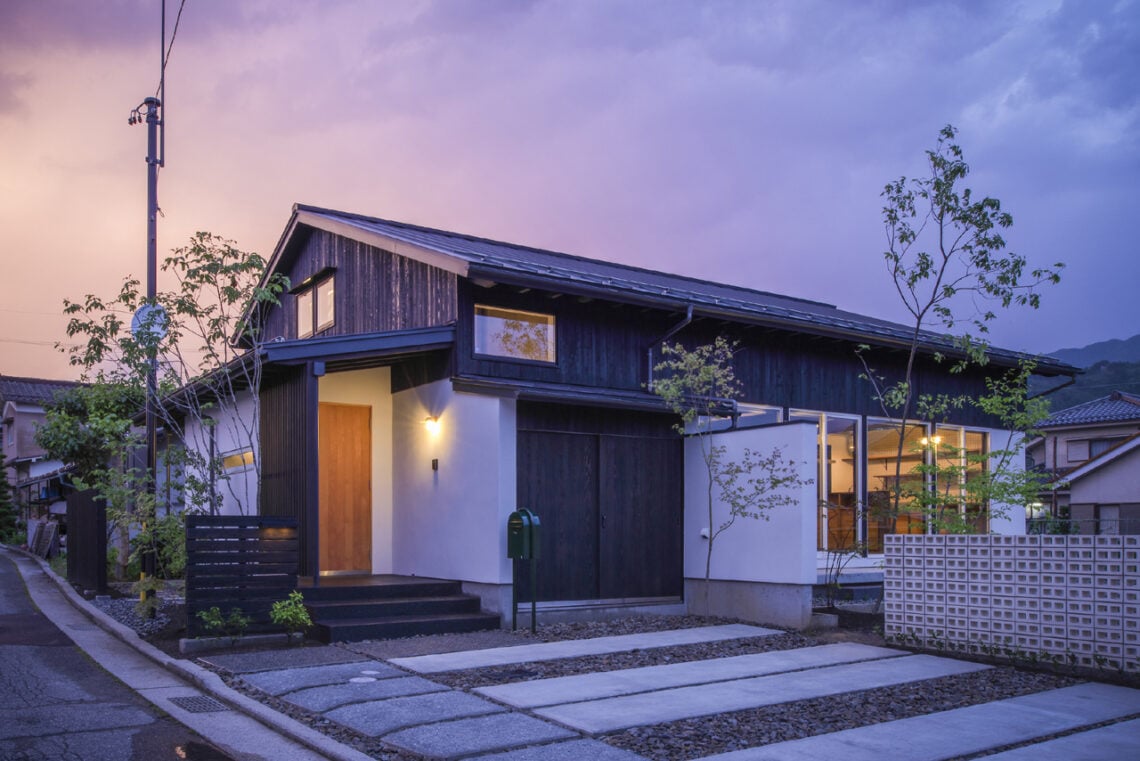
x,y
680,303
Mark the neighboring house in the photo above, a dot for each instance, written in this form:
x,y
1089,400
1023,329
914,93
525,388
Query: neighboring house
x,y
1093,451
39,484
421,385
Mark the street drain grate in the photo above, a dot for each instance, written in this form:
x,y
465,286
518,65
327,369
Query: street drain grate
x,y
199,704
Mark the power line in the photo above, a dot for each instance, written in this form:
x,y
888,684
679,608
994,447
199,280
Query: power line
x,y
30,342
169,48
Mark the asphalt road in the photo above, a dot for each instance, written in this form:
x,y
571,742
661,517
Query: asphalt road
x,y
58,704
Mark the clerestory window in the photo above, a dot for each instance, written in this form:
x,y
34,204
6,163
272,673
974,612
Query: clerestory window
x,y
514,333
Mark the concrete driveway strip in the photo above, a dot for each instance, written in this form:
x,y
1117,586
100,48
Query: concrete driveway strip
x,y
575,689
1116,741
549,651
611,714
964,731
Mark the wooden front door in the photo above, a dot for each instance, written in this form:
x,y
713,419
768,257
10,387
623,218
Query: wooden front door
x,y
345,473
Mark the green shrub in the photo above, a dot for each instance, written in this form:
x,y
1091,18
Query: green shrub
x,y
291,613
232,625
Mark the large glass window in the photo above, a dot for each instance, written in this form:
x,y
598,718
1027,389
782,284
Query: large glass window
x,y
838,515
514,333
961,458
890,480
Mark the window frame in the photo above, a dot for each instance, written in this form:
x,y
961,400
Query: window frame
x,y
550,319
310,303
823,475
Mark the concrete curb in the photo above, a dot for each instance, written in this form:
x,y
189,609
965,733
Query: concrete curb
x,y
202,678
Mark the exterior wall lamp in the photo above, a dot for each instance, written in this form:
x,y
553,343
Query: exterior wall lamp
x,y
431,423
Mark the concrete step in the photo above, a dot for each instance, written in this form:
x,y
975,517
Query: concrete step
x,y
391,627
375,588
340,610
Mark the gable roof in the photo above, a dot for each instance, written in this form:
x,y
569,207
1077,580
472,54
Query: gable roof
x,y
484,260
34,391
1117,407
1123,449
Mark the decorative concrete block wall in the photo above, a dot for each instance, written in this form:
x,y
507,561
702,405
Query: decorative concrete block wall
x,y
1073,596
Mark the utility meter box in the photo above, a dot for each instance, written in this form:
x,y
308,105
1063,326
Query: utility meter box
x,y
522,535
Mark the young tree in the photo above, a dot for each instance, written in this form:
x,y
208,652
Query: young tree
x,y
206,336
8,525
700,386
947,258
91,428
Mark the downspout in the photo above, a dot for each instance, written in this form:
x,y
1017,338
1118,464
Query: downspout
x,y
672,332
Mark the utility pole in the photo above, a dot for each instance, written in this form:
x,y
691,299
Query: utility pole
x,y
152,164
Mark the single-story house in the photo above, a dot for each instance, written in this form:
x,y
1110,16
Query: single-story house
x,y
420,385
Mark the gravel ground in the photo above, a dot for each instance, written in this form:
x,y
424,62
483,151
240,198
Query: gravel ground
x,y
674,741
122,609
694,738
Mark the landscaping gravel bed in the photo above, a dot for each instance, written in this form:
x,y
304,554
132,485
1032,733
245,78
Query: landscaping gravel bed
x,y
694,738
123,610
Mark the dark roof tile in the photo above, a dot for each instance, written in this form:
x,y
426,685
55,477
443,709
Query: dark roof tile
x,y
1117,407
488,257
30,390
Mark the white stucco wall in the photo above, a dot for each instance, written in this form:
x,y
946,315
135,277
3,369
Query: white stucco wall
x,y
451,523
1008,519
780,550
1117,483
235,431
371,388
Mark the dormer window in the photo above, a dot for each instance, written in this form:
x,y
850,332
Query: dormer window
x,y
316,305
514,333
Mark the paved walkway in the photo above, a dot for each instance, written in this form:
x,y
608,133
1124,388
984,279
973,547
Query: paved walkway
x,y
559,719
190,694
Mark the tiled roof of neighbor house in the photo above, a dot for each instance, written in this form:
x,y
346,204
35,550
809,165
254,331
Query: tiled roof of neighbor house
x,y
508,262
1117,407
30,390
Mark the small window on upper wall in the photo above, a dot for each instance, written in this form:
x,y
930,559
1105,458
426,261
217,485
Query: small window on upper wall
x,y
316,307
304,314
514,333
326,303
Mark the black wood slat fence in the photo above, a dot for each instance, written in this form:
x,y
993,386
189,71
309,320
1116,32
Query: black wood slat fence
x,y
87,541
246,562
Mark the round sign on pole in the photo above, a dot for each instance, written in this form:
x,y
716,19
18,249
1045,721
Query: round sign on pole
x,y
149,322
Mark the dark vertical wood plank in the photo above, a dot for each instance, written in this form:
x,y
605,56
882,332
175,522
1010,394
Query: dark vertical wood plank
x,y
558,480
640,501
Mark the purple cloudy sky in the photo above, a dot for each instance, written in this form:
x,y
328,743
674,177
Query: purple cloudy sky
x,y
744,142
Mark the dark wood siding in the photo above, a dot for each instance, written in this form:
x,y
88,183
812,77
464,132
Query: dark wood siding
x,y
376,290
607,487
597,343
288,453
605,345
